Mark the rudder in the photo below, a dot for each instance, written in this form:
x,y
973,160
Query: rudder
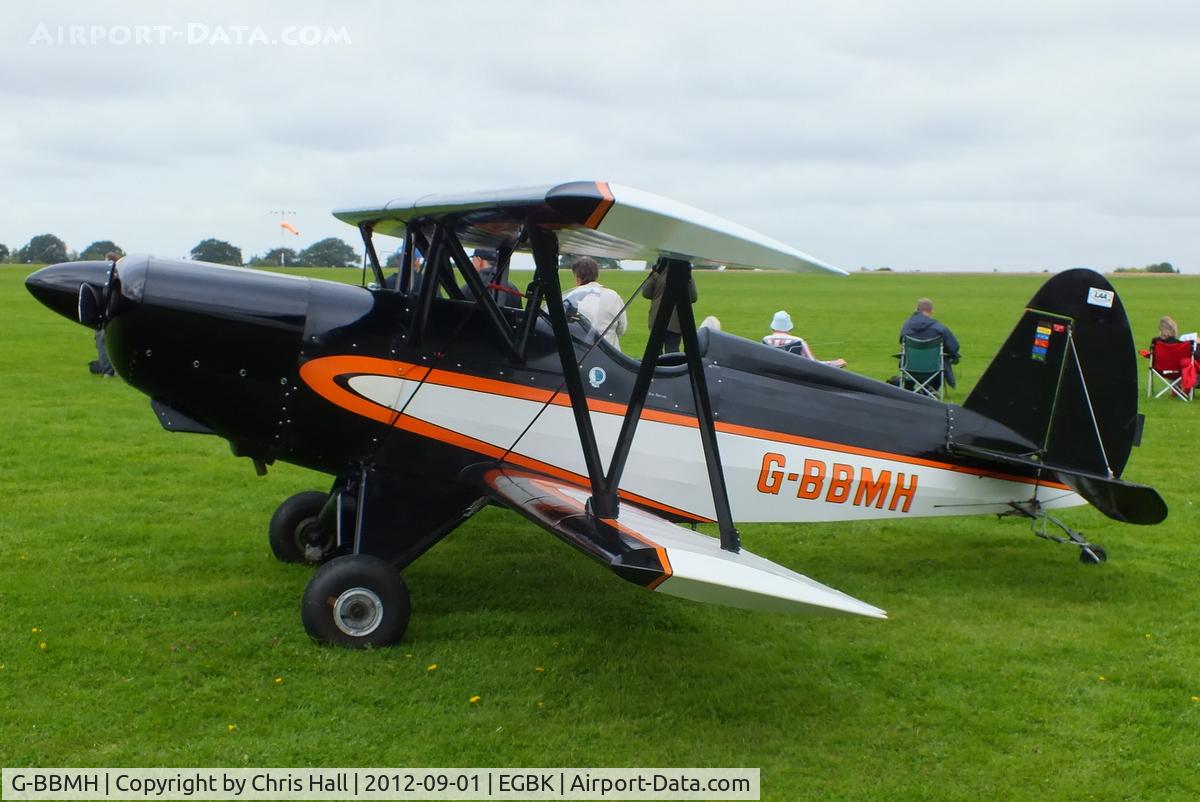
x,y
1066,377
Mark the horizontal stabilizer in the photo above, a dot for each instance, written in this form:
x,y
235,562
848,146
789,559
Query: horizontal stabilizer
x,y
1120,500
655,553
592,217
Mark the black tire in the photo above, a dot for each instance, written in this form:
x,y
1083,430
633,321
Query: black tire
x,y
1092,554
294,533
357,601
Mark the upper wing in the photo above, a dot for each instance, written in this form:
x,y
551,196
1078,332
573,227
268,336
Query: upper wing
x,y
657,554
595,218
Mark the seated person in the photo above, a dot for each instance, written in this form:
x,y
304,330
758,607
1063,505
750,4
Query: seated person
x,y
780,337
1168,331
922,325
602,307
392,282
504,293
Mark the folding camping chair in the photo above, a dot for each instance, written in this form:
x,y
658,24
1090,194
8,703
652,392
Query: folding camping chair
x,y
922,366
1169,362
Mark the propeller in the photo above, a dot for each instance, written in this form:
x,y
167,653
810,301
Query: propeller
x,y
97,308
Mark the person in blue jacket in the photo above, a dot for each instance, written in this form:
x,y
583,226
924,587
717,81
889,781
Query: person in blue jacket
x,y
923,326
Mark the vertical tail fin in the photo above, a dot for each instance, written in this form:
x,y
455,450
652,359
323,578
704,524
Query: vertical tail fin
x,y
1066,378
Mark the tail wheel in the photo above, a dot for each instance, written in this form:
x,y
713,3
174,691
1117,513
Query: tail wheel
x,y
357,601
295,533
1092,554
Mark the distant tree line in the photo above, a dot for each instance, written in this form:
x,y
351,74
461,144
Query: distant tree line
x,y
49,249
329,252
1160,267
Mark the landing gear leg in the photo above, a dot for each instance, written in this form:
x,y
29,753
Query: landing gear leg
x,y
385,521
1089,553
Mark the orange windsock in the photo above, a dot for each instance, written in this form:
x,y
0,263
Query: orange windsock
x,y
286,226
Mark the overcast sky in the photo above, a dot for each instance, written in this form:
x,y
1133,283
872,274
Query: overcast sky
x,y
926,135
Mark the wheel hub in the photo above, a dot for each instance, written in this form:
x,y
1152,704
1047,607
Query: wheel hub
x,y
358,612
310,541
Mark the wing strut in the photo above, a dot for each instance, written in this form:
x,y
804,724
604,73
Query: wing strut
x,y
730,540
604,502
371,256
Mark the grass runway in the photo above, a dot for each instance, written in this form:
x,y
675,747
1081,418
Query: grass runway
x,y
143,621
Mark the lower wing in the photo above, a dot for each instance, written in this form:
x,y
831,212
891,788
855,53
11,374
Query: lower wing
x,y
657,554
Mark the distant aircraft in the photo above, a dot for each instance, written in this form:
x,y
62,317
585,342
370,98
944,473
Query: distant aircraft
x,y
425,406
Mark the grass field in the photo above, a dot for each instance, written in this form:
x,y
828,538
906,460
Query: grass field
x,y
143,621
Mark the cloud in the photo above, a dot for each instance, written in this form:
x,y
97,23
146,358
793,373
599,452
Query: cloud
x,y
914,135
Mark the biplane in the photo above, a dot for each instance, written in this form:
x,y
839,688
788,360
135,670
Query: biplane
x,y
426,403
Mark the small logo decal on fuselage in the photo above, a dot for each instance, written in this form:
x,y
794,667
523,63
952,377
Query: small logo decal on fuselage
x,y
596,376
1099,297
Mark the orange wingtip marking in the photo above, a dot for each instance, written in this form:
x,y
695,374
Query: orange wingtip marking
x,y
663,560
659,579
597,215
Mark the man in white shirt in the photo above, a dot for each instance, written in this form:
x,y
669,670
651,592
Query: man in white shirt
x,y
600,305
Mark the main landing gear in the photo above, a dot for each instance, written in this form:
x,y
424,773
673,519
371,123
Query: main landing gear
x,y
296,533
1089,553
362,534
357,601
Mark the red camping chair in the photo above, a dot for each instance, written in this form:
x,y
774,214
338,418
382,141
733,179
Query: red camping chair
x,y
1175,367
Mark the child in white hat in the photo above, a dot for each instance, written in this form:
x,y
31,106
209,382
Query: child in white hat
x,y
781,337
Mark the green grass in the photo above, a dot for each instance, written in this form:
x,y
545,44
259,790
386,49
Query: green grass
x,y
141,559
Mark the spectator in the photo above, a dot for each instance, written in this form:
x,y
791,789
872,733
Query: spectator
x,y
414,279
602,307
653,290
922,325
101,365
781,337
1168,331
505,293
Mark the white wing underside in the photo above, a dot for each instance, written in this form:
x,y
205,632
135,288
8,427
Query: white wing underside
x,y
657,554
638,226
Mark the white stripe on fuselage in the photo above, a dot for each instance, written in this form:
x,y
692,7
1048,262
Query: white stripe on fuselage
x,y
767,480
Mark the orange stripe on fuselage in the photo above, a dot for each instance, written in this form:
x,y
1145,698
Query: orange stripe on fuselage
x,y
320,375
332,366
